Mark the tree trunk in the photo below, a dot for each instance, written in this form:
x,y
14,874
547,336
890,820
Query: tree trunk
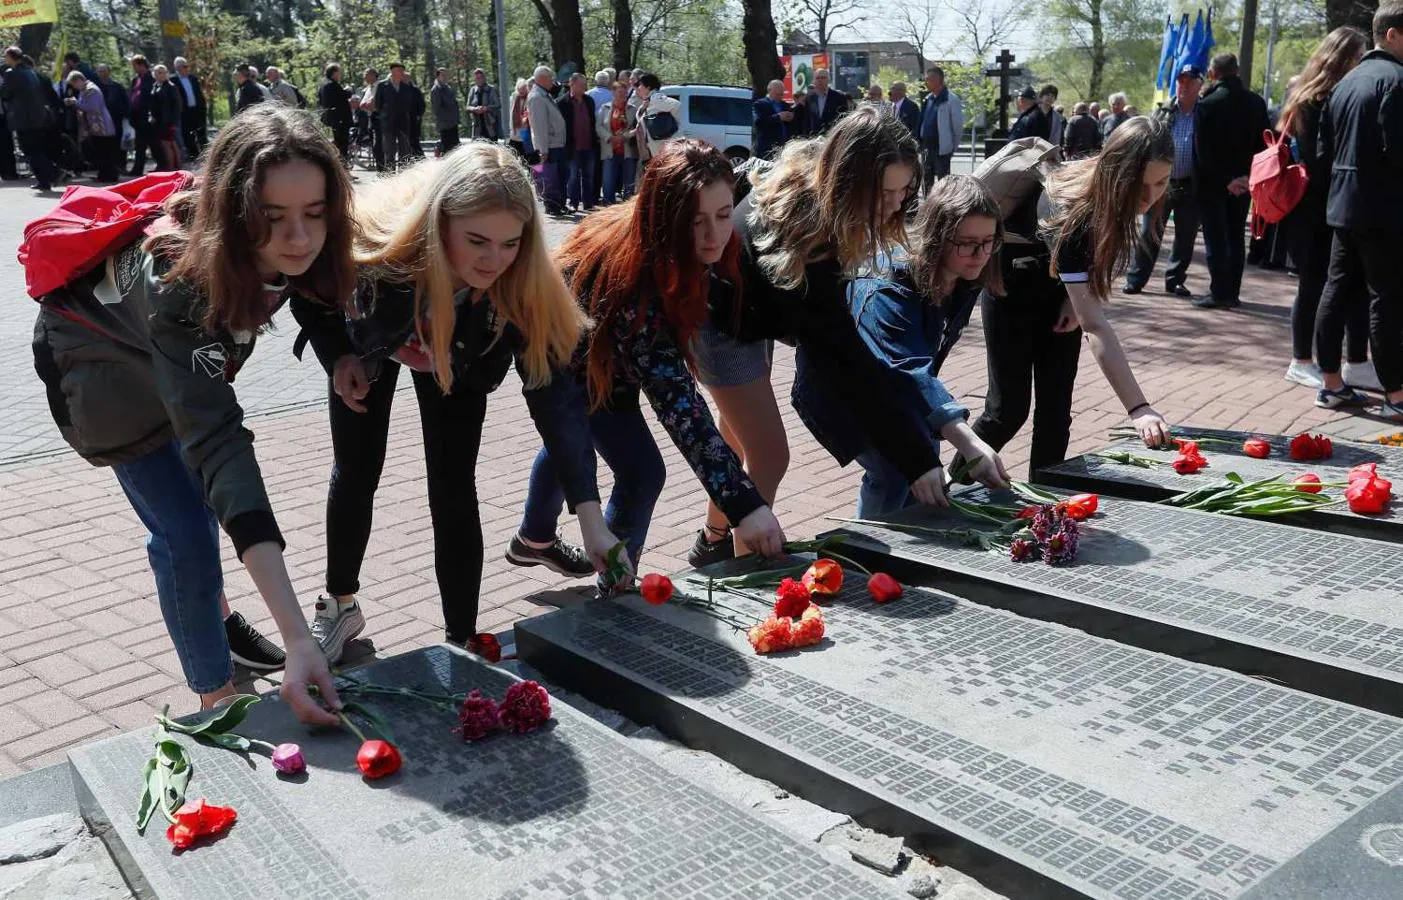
x,y
760,37
557,37
571,47
34,39
623,34
288,30
1359,13
1098,49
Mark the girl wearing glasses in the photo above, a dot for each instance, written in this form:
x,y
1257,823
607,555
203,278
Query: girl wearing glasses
x,y
910,322
1057,288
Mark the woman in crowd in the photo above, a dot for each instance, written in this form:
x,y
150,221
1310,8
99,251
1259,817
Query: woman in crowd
x,y
1337,54
616,124
1055,295
827,207
97,133
651,103
166,107
139,359
521,123
647,271
454,283
910,322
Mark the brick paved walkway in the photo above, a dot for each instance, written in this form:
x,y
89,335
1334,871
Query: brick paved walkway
x,y
83,651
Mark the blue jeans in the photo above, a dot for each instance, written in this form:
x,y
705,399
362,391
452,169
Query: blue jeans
x,y
183,548
622,437
579,190
619,171
884,490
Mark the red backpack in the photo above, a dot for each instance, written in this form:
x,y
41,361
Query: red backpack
x,y
1276,182
88,225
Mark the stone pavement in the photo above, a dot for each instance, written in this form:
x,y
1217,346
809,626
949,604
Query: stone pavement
x,y
83,651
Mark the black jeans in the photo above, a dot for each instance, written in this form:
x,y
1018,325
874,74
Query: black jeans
x,y
192,129
34,143
141,144
105,154
1028,362
1182,201
7,151
452,427
1310,248
1370,257
447,140
341,137
1224,219
933,166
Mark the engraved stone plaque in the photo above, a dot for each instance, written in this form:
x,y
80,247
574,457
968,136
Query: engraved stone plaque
x,y
1044,760
568,811
1321,612
1090,472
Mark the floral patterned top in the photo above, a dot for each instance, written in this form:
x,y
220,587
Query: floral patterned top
x,y
648,357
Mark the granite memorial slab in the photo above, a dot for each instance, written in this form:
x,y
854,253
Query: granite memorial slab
x,y
567,811
1042,760
1090,472
1320,612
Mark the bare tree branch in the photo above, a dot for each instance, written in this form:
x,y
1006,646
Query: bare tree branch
x,y
824,17
985,25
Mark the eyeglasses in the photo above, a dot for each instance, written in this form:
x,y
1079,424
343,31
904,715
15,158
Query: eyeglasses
x,y
976,248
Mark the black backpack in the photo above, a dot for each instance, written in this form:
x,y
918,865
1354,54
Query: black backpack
x,y
660,125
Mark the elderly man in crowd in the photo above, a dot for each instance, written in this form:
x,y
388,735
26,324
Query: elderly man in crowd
x,y
548,136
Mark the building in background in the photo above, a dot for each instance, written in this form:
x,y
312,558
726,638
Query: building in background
x,y
853,64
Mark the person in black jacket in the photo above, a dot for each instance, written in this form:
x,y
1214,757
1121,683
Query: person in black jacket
x,y
139,113
1031,121
1361,131
394,112
906,110
139,357
1231,121
194,118
774,121
167,111
247,91
335,103
26,99
824,105
1082,136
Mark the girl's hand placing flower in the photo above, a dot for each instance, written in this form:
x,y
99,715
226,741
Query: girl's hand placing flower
x,y
1151,427
930,488
761,532
599,540
982,461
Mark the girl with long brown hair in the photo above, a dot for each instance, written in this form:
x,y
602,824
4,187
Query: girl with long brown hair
x,y
455,284
1055,295
139,358
1316,332
647,270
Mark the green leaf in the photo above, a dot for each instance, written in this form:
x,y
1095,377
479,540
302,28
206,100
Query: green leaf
x,y
175,761
229,718
151,789
1234,478
227,741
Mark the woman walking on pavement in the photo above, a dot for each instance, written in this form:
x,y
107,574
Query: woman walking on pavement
x,y
139,358
455,284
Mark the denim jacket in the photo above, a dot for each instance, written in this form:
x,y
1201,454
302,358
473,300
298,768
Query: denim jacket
x,y
909,335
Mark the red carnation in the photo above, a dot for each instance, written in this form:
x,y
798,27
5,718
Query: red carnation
x,y
478,717
199,819
809,629
656,589
791,599
525,707
772,635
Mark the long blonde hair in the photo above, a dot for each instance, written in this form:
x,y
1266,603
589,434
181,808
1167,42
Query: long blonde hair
x,y
1101,196
1338,52
403,223
823,195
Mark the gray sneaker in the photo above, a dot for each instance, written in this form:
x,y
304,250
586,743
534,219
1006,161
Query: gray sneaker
x,y
560,557
334,627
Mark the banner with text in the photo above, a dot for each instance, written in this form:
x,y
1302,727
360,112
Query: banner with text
x,y
14,13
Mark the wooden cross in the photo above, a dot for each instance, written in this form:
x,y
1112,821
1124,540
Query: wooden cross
x,y
1004,72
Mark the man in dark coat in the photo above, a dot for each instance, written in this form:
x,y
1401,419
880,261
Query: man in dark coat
x,y
484,108
444,104
394,111
1083,133
1231,120
29,114
195,116
1361,131
774,121
824,105
904,108
335,103
139,113
8,169
246,90
1031,121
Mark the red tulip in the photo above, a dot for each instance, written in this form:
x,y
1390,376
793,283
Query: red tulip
x,y
377,759
1081,506
1306,447
791,599
196,820
1188,465
1368,496
824,577
883,587
1256,448
1308,483
656,589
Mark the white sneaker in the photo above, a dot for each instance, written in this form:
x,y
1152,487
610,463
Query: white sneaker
x,y
1362,375
1305,374
333,627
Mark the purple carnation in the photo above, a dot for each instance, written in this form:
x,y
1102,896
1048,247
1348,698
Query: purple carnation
x,y
1022,549
1060,548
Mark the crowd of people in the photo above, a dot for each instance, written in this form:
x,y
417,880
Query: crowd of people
x,y
836,246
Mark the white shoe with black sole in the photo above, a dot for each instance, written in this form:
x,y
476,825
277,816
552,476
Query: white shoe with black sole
x,y
334,627
249,648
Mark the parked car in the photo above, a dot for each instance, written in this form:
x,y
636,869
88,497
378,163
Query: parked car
x,y
718,114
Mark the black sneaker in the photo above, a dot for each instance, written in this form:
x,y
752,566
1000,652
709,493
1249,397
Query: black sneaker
x,y
249,647
705,552
1177,290
1347,396
559,557
1129,288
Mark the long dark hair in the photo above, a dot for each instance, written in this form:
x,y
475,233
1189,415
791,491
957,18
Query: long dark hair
x,y
1338,52
220,224
952,200
635,251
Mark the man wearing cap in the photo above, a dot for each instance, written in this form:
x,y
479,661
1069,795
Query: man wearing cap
x,y
1032,121
1180,199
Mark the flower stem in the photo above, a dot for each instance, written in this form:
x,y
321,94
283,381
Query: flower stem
x,y
351,726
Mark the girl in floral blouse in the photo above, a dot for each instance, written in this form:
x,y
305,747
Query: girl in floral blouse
x,y
647,271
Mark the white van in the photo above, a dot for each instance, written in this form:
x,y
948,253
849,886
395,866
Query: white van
x,y
720,115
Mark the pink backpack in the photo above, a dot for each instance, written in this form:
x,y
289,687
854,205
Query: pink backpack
x,y
1276,182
